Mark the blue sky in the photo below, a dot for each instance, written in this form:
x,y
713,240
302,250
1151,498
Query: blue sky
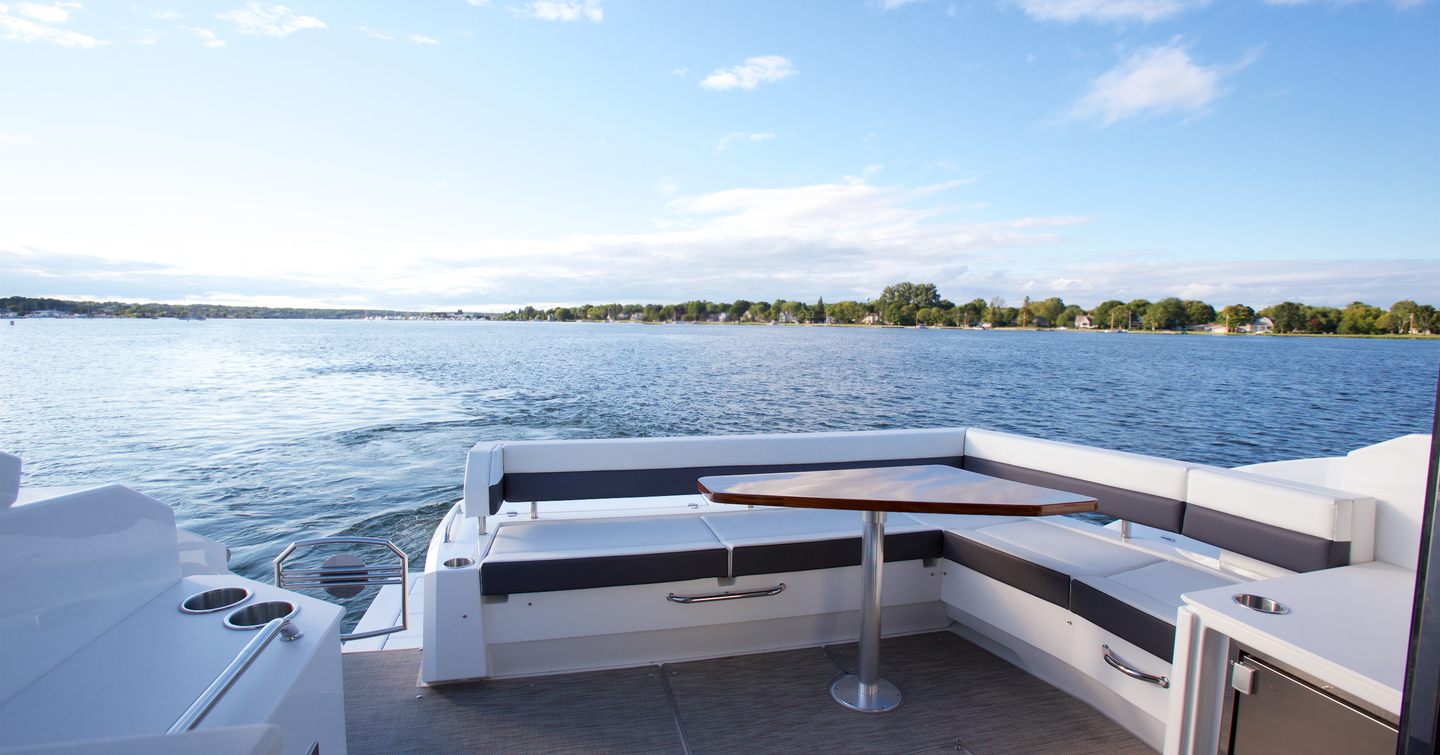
x,y
482,155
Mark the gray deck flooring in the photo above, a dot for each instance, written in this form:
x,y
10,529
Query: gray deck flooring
x,y
958,698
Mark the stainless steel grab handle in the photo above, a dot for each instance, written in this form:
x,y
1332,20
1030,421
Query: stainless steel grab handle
x,y
1163,682
712,597
203,704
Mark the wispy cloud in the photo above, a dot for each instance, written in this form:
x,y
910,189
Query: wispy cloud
x,y
564,10
164,14
751,73
742,136
269,20
39,22
49,13
1154,80
376,33
1112,11
13,137
207,37
421,39
889,5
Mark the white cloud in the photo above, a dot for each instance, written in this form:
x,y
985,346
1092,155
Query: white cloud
x,y
1154,80
148,37
478,3
1258,283
421,39
742,136
164,14
666,187
35,22
269,20
206,36
12,137
751,73
565,10
54,13
872,169
1069,11
376,33
889,5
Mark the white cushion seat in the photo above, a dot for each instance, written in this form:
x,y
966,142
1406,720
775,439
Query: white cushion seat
x,y
1040,557
1140,604
571,555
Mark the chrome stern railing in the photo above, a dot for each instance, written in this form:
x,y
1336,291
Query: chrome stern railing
x,y
344,576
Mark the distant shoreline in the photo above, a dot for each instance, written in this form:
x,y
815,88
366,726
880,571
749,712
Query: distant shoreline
x,y
1005,329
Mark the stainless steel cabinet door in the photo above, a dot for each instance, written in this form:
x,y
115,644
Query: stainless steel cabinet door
x,y
1281,714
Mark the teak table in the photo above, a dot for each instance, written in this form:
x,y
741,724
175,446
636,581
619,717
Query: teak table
x,y
929,489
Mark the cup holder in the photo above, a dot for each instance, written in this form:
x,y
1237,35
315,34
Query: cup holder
x,y
1260,603
214,600
458,563
259,614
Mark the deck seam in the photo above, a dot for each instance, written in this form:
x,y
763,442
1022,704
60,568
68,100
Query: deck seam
x,y
674,709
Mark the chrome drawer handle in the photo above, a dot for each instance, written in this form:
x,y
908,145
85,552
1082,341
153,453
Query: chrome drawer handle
x,y
1163,682
712,597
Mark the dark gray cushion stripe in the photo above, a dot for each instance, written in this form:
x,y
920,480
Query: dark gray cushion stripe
x,y
1137,627
775,558
497,496
1296,551
548,575
1041,581
1143,508
637,483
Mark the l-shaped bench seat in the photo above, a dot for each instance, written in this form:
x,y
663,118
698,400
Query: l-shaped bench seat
x,y
1196,526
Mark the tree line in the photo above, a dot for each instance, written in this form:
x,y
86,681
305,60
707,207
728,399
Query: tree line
x,y
20,306
909,303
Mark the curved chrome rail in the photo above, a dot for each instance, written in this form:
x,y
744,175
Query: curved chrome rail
x,y
1163,682
211,696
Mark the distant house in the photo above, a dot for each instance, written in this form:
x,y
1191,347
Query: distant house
x,y
1262,325
787,317
49,313
872,318
723,317
1084,321
1210,328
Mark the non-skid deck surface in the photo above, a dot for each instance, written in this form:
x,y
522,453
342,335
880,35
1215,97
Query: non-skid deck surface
x,y
957,698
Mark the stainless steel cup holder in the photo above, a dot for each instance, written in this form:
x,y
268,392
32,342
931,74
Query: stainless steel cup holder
x,y
1260,603
258,615
458,563
214,600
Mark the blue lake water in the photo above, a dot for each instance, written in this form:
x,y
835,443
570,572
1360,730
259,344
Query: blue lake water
x,y
263,432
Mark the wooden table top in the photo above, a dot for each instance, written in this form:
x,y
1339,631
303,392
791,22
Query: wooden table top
x,y
927,489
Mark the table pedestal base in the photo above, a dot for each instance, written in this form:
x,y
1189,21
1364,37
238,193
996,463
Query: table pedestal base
x,y
884,698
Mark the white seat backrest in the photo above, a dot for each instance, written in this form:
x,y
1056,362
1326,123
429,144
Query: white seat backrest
x,y
730,450
1143,474
488,462
1328,515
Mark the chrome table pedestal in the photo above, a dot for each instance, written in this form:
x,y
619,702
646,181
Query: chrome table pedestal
x,y
866,691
